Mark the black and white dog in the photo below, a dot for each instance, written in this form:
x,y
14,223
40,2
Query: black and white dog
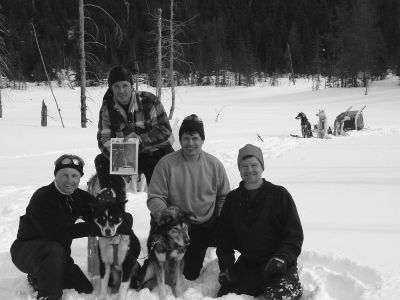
x,y
117,253
305,125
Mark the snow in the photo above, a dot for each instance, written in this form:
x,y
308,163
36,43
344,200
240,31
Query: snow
x,y
345,188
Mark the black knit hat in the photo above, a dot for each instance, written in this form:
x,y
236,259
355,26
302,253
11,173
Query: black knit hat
x,y
69,161
119,73
192,124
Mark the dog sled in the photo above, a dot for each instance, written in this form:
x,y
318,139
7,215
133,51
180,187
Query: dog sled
x,y
356,121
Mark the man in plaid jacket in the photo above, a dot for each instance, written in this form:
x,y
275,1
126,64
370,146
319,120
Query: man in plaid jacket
x,y
126,113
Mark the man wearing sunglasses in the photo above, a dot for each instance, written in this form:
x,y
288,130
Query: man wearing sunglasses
x,y
43,245
126,113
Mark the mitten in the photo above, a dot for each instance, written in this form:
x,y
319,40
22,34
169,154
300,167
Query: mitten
x,y
126,226
274,267
227,277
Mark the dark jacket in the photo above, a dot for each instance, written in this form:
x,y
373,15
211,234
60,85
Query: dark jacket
x,y
265,227
49,217
146,117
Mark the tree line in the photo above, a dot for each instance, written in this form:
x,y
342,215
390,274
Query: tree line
x,y
222,42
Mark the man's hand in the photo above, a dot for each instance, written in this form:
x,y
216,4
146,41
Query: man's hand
x,y
274,267
132,135
104,137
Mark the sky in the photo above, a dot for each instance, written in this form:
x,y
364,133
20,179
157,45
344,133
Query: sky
x,y
345,187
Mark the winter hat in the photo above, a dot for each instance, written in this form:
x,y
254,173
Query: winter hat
x,y
192,123
119,73
69,161
251,150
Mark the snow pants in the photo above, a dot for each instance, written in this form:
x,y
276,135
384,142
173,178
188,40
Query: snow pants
x,y
146,165
201,237
252,282
51,266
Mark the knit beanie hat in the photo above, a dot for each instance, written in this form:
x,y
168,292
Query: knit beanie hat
x,y
251,150
69,161
192,123
119,73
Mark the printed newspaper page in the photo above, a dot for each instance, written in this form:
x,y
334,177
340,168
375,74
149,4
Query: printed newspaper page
x,y
124,156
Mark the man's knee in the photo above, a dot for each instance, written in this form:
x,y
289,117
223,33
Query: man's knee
x,y
55,253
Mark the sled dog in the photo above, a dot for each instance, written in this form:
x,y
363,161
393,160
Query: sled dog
x,y
304,125
167,242
339,123
117,253
322,130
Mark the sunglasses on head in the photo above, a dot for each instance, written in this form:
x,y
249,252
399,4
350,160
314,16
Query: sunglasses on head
x,y
70,160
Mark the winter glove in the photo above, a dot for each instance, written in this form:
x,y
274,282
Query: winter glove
x,y
126,226
275,266
227,277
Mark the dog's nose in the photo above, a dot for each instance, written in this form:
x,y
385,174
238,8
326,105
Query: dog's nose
x,y
107,231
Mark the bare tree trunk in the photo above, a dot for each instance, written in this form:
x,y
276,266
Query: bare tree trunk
x,y
291,65
82,64
171,62
43,119
159,60
47,75
1,107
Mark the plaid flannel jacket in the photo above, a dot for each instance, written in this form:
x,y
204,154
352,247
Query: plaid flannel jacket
x,y
146,117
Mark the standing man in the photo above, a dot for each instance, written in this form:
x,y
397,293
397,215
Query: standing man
x,y
196,182
126,113
43,245
259,220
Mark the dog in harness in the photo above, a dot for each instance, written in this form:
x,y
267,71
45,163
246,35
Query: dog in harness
x,y
168,240
117,253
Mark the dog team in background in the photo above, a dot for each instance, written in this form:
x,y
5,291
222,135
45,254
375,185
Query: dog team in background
x,y
191,204
322,128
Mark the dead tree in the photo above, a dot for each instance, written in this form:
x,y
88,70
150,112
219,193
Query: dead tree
x,y
82,64
159,54
47,75
43,119
291,66
171,60
1,106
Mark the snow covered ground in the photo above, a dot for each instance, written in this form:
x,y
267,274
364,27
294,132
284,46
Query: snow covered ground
x,y
346,188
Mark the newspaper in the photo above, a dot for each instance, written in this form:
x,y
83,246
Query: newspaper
x,y
124,156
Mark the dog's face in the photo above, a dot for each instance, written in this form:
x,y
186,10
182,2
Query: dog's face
x,y
173,223
321,114
108,214
300,115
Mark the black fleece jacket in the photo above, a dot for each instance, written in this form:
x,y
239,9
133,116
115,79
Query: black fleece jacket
x,y
49,217
260,227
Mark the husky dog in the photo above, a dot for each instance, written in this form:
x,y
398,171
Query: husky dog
x,y
322,130
167,242
117,253
339,123
305,125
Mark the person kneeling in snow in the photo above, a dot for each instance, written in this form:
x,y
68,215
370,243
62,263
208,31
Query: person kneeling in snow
x,y
259,220
43,245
